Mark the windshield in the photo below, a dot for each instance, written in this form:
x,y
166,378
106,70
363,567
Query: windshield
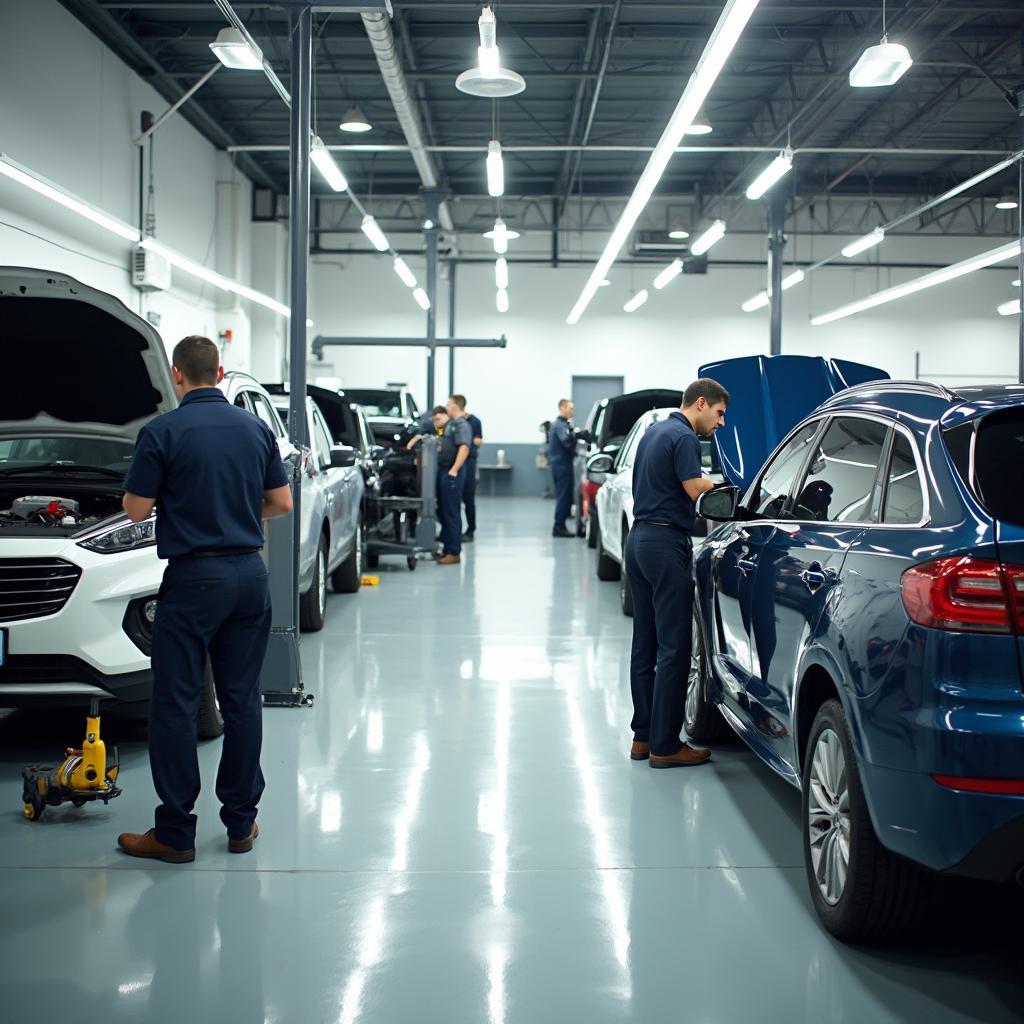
x,y
102,452
377,402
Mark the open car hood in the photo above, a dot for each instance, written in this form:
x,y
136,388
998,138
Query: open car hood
x,y
76,359
624,410
769,396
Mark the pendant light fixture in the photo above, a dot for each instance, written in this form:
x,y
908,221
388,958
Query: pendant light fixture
x,y
355,121
884,64
489,78
232,49
777,169
700,125
500,235
495,170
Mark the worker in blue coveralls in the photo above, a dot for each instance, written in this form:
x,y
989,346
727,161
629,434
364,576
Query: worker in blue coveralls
x,y
667,481
452,455
214,474
561,455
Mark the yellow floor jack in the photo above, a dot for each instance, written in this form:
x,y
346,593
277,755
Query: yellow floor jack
x,y
83,775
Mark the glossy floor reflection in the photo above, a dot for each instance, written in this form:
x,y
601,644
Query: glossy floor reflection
x,y
455,834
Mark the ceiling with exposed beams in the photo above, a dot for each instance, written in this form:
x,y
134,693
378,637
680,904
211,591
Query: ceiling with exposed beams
x,y
609,72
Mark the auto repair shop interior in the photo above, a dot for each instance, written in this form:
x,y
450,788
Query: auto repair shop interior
x,y
372,205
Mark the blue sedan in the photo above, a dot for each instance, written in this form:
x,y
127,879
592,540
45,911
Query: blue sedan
x,y
860,623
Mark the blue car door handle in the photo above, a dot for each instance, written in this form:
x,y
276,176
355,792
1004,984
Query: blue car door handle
x,y
746,565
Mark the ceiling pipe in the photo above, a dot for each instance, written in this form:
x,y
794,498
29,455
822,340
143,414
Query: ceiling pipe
x,y
382,39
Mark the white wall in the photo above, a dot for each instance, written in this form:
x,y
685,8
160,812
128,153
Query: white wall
x,y
69,111
696,319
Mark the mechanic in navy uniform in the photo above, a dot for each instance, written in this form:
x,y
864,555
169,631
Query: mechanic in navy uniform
x,y
452,456
561,456
667,480
214,473
469,493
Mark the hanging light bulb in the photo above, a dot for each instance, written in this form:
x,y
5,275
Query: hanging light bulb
x,y
372,230
502,300
489,78
500,235
495,170
355,121
403,271
884,64
778,168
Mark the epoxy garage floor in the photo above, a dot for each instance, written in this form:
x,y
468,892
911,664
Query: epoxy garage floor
x,y
455,834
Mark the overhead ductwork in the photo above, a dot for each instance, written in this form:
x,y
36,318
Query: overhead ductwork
x,y
382,39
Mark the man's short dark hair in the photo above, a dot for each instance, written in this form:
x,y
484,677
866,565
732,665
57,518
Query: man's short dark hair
x,y
710,390
439,410
564,401
460,401
198,359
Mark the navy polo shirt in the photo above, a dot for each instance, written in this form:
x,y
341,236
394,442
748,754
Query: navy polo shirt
x,y
562,447
457,432
668,454
478,432
206,464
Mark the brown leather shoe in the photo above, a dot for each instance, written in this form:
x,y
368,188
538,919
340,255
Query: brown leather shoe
x,y
682,759
449,560
244,845
147,845
639,751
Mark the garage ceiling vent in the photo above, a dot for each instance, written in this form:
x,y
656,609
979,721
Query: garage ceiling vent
x,y
150,271
658,243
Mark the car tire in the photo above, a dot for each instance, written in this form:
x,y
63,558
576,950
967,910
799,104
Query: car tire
x,y
210,723
592,530
875,894
313,603
701,718
607,568
625,595
348,577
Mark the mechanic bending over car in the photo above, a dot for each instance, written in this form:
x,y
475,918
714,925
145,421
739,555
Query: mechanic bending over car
x,y
439,417
667,481
451,481
214,473
561,456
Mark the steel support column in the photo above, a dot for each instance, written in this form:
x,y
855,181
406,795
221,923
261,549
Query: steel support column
x,y
776,255
452,267
432,201
282,669
1020,235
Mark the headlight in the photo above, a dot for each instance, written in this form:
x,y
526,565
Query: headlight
x,y
124,537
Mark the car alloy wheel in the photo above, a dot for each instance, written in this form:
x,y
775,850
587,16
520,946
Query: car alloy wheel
x,y
828,817
695,685
321,580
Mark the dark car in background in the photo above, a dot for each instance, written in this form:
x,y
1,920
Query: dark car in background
x,y
860,623
608,423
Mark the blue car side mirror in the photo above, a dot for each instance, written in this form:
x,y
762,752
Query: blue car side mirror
x,y
719,505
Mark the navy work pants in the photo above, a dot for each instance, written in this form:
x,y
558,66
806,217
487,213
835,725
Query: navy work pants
x,y
449,497
659,570
469,496
219,606
562,472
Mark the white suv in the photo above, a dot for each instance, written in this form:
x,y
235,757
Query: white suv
x,y
78,580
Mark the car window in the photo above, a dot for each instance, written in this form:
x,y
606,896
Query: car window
x,y
627,453
265,411
841,477
241,402
904,499
322,439
770,493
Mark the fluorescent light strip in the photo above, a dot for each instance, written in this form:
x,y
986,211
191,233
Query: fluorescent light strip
x,y
176,259
421,297
501,273
1008,308
759,301
868,241
403,271
637,301
495,170
714,234
936,277
373,232
777,169
792,279
723,39
322,160
23,176
669,274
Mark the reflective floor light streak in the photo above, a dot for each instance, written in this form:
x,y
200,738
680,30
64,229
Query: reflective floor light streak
x,y
936,277
723,39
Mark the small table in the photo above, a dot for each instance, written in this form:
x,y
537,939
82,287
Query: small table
x,y
494,471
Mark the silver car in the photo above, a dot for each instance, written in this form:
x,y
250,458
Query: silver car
x,y
331,529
